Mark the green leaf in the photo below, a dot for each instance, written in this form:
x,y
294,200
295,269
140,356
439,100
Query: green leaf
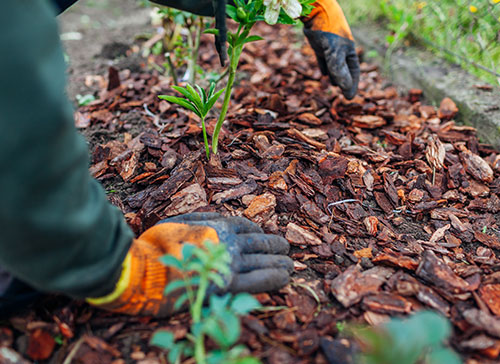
x,y
203,94
181,102
252,38
212,100
225,330
175,353
231,12
213,30
187,251
163,339
244,303
174,286
195,97
247,360
216,279
171,261
184,91
219,303
180,301
441,356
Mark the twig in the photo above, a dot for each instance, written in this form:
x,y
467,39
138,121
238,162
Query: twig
x,y
330,205
156,118
74,350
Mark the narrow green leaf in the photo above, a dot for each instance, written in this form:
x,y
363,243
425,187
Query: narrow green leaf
x,y
212,31
195,97
163,339
184,91
216,279
181,102
252,38
244,303
180,301
174,286
171,261
231,12
202,93
212,100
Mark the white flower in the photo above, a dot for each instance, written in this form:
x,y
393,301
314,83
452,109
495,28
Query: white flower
x,y
292,7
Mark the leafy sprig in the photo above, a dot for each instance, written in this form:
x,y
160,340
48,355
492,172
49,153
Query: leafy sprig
x,y
199,268
198,101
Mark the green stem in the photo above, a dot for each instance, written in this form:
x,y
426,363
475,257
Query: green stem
x,y
234,59
205,138
194,51
199,344
172,69
225,106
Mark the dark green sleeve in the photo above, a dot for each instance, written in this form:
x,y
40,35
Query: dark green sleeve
x,y
57,230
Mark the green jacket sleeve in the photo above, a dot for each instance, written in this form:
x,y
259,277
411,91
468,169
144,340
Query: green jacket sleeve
x,y
58,233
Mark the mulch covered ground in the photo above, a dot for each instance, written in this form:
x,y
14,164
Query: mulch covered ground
x,y
389,205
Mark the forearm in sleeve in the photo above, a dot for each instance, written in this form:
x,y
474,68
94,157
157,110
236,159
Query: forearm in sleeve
x,y
57,231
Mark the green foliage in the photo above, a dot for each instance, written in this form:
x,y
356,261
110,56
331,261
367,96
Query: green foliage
x,y
418,339
246,14
466,32
219,321
198,101
85,99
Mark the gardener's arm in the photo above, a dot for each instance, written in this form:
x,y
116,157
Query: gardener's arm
x,y
58,232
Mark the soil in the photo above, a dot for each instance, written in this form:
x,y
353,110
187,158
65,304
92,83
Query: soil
x,y
389,206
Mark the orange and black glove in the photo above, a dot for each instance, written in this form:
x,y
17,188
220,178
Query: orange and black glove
x,y
259,261
329,34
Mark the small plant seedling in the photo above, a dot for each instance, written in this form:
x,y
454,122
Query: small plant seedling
x,y
202,268
418,339
246,14
200,102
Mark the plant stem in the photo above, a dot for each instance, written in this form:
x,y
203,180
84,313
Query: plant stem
x,y
199,345
234,59
223,112
205,138
194,51
172,68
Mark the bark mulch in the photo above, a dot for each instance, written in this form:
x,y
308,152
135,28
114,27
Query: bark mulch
x,y
390,207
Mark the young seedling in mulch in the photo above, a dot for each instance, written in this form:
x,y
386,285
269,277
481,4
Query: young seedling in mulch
x,y
200,102
246,15
419,339
203,269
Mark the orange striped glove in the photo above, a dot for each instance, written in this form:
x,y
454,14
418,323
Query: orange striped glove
x,y
259,262
329,34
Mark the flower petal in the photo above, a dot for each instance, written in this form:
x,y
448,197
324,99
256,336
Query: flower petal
x,y
271,15
292,7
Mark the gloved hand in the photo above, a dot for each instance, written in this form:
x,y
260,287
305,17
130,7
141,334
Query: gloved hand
x,y
330,37
259,261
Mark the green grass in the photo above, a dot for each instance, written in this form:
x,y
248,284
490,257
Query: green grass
x,y
461,31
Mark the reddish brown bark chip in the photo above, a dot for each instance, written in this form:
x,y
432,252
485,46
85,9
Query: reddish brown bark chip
x,y
435,270
396,260
488,240
352,285
490,293
387,303
483,320
40,345
261,205
368,121
448,109
297,235
477,166
187,200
